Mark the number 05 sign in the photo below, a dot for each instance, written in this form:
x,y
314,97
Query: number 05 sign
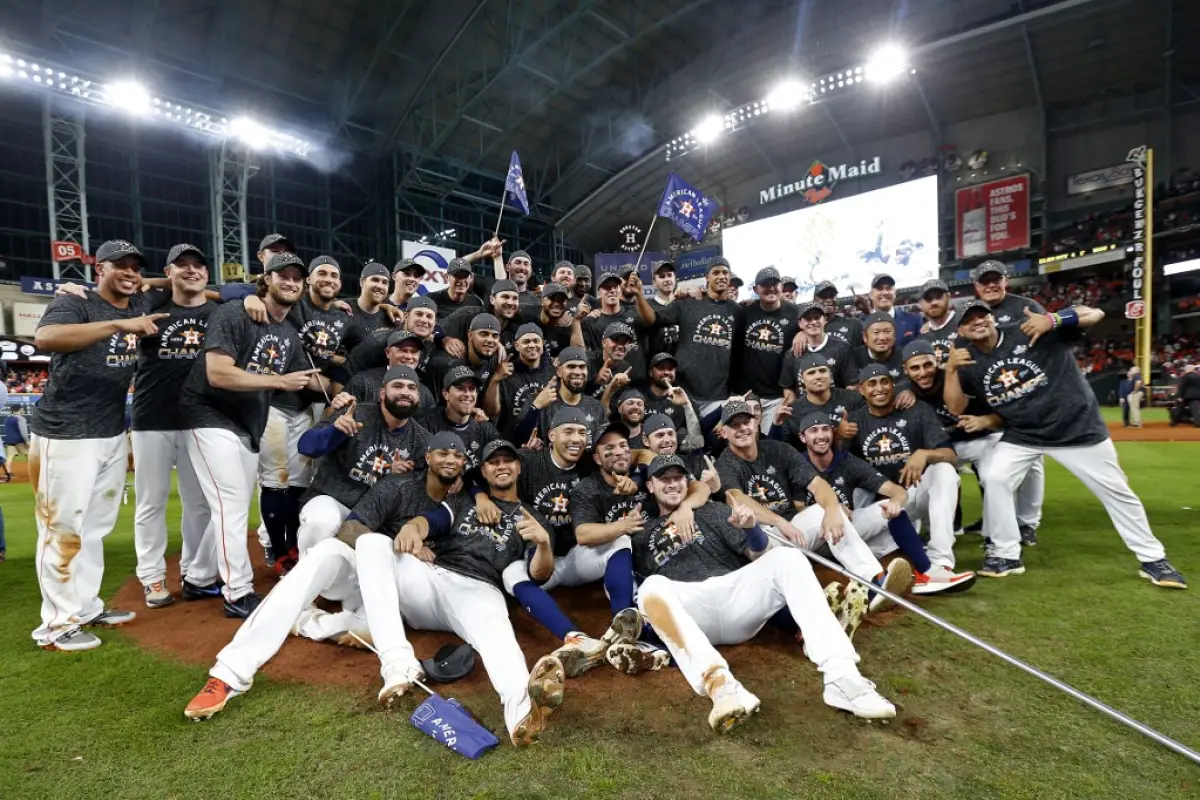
x,y
65,251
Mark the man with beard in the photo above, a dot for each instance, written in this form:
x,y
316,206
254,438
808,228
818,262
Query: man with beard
x,y
659,438
911,448
820,394
618,354
883,301
357,446
666,338
720,585
665,397
519,271
328,569
630,408
941,320
457,293
832,351
879,345
406,278
762,334
459,414
705,336
78,453
1028,376
563,275
459,590
404,349
884,524
991,285
581,290
158,437
481,354
226,400
565,389
848,329
612,312
517,380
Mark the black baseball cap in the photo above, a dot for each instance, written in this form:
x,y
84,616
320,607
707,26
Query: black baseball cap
x,y
934,285
400,373
405,264
450,663
529,328
283,260
460,374
974,305
667,265
766,275
918,347
873,371
519,254
614,426
562,264
804,308
485,322
814,418
582,270
788,280
496,445
445,440
570,354
988,267
371,268
400,338
504,285
733,409
661,357
272,239
422,301
719,261
825,286
605,277
618,329
178,251
656,422
457,266
116,249
322,261
877,316
569,415
882,277
812,361
661,464
551,289
630,394
736,281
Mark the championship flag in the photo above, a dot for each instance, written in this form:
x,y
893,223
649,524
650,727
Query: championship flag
x,y
449,723
514,184
684,205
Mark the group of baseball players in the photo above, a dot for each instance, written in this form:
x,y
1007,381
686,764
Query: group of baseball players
x,y
420,458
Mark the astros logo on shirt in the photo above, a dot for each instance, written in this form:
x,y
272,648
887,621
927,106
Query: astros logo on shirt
x,y
769,492
714,329
765,335
122,350
886,445
181,339
371,465
1011,378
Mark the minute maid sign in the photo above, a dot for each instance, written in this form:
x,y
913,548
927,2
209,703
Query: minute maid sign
x,y
817,184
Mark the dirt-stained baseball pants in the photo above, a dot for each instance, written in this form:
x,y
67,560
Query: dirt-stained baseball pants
x,y
77,495
225,469
280,464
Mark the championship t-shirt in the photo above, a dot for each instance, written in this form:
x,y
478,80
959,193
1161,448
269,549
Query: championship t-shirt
x,y
86,394
1011,310
761,341
480,551
321,331
776,478
705,349
635,357
517,392
593,501
848,329
369,354
363,325
447,306
886,442
442,362
474,434
935,397
656,404
894,362
547,487
717,547
361,460
164,361
393,501
944,338
846,473
593,413
841,402
1038,390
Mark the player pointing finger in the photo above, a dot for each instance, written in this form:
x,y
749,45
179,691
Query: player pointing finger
x,y
1035,325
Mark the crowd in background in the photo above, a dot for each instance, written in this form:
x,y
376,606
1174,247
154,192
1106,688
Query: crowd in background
x,y
27,381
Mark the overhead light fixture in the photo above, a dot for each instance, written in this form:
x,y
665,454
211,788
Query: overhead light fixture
x,y
709,129
887,63
129,96
787,95
250,133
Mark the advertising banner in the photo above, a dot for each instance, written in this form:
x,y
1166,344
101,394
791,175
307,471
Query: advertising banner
x,y
26,317
992,217
1107,178
434,259
612,262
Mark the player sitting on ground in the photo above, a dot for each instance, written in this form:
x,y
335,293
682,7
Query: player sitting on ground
x,y
699,592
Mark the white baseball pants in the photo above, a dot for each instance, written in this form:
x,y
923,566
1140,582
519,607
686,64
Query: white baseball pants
x,y
399,589
154,454
1095,465
770,407
328,568
582,564
872,526
730,609
77,495
224,466
280,464
852,552
320,519
931,501
1030,494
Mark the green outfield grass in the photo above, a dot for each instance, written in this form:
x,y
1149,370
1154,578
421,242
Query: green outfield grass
x,y
109,723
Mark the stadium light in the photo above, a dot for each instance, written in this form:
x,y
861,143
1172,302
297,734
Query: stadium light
x,y
250,133
887,63
709,128
129,96
787,95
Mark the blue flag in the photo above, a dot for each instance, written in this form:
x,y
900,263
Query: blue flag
x,y
684,205
514,184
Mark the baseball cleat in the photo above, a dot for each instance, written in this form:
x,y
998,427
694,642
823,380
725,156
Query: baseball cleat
x,y
393,690
854,608
732,703
634,657
74,641
996,567
626,627
157,595
111,618
346,640
833,596
580,653
1161,573
857,695
974,527
897,579
244,606
1028,536
941,579
546,683
192,591
212,698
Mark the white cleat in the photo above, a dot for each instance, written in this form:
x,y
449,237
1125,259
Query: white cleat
x,y
898,579
854,608
580,653
626,628
941,579
634,657
732,703
857,695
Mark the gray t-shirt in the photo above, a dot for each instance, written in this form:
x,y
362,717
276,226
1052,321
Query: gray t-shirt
x,y
841,360
164,361
1011,310
475,435
593,501
322,332
848,329
547,488
393,501
945,338
886,442
85,396
717,548
776,478
762,343
705,349
841,402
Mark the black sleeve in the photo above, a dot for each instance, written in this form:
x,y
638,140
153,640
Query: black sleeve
x,y
380,508
226,329
933,433
787,374
585,504
66,310
458,323
799,472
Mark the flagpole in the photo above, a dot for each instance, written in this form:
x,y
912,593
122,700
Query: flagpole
x,y
645,242
500,216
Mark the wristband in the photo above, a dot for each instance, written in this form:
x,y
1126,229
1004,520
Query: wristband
x,y
1068,317
756,539
1054,320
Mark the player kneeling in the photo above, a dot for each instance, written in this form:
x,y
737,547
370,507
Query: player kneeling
x,y
701,592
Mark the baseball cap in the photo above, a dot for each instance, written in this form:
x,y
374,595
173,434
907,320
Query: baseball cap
x,y
878,316
804,308
733,409
766,275
873,371
626,270
504,285
607,276
667,265
422,301
407,264
178,251
788,280
116,249
736,281
825,287
614,426
551,289
284,260
458,266
445,440
656,422
519,254
562,264
496,445
527,329
812,361
569,415
719,261
630,394
398,338
400,373
371,268
618,329
321,261
661,464
917,347
459,374
272,239
974,305
570,354
583,270
882,277
934,285
450,663
813,418
661,357
988,267
485,322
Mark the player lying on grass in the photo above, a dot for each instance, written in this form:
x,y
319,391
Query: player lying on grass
x,y
720,586
458,587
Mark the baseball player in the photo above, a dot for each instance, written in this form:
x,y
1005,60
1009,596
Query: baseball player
x,y
559,329
420,318
614,316
619,354
564,390
457,293
459,414
1028,376
517,379
665,338
664,396
660,438
762,336
159,439
406,278
226,401
329,568
630,408
848,329
581,289
459,590
879,344
837,355
816,379
720,585
504,306
370,312
941,319
404,349
77,459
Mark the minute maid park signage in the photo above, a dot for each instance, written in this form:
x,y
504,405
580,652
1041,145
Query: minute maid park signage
x,y
817,184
